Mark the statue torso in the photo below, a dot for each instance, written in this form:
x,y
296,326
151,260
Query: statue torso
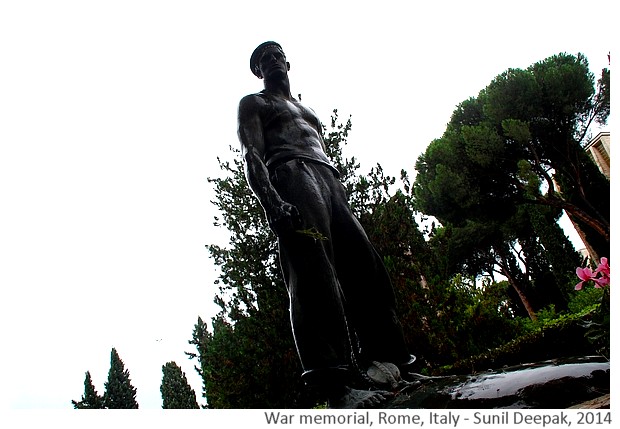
x,y
290,130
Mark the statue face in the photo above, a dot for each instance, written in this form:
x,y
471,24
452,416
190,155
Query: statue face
x,y
273,64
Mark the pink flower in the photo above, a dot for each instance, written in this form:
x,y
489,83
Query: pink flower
x,y
603,268
601,282
600,276
585,274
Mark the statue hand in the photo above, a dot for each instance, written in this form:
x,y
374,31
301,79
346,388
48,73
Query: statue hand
x,y
286,220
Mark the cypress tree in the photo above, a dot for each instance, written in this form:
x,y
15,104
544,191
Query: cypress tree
x,y
175,390
90,399
119,393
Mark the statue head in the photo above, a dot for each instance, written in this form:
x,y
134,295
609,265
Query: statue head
x,y
258,54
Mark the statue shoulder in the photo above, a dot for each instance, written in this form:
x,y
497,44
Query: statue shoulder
x,y
252,104
252,100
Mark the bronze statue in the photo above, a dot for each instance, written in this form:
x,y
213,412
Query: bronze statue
x,y
341,298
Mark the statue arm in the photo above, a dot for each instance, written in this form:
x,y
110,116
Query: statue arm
x,y
280,214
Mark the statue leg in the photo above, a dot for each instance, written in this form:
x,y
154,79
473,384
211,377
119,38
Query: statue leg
x,y
316,298
367,288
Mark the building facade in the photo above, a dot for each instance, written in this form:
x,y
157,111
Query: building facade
x,y
598,149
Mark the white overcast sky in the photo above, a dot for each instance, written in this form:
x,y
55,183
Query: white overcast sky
x,y
112,114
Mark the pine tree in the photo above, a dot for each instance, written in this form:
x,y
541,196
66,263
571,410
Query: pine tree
x,y
119,393
521,142
90,399
175,390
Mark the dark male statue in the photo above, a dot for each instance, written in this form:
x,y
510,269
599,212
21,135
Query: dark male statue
x,y
341,299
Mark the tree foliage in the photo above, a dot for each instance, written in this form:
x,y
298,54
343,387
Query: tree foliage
x,y
91,399
526,128
175,390
119,392
249,358
508,163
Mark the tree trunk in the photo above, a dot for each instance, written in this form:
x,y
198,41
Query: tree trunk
x,y
522,296
505,267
